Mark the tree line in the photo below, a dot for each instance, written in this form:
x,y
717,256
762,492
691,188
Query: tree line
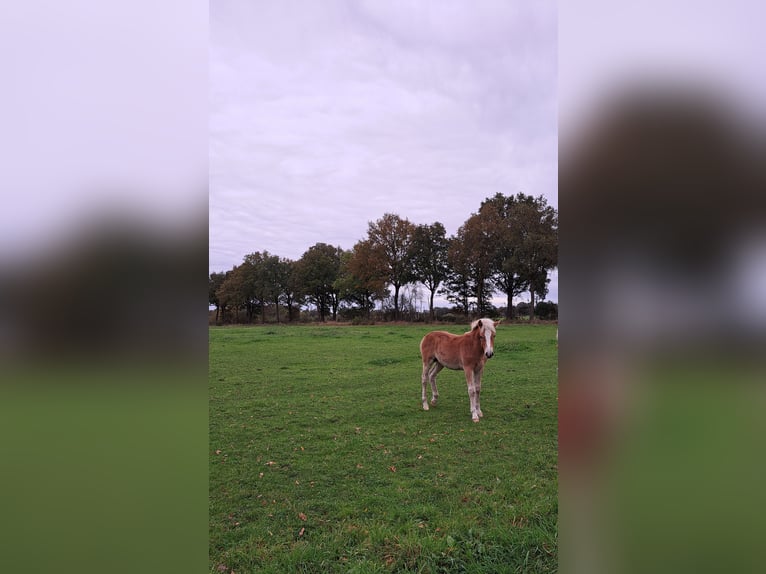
x,y
508,246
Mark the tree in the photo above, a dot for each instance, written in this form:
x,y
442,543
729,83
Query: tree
x,y
457,286
537,251
506,276
233,292
429,256
525,237
347,284
290,289
524,309
257,286
480,242
273,277
214,282
410,300
471,255
390,238
316,273
547,310
362,279
266,279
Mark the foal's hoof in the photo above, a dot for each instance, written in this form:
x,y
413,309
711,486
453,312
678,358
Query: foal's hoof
x,y
475,419
425,406
433,402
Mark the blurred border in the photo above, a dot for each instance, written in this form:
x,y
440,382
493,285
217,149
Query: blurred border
x,y
662,275
103,265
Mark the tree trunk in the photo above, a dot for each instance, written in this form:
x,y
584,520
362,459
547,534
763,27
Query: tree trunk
x,y
531,305
480,298
290,313
431,306
276,302
335,306
509,305
396,302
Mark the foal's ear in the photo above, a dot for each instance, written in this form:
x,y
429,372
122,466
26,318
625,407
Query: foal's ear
x,y
478,323
498,322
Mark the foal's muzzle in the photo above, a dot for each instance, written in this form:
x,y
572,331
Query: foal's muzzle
x,y
489,354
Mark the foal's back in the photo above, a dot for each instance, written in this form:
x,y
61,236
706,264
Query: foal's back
x,y
443,347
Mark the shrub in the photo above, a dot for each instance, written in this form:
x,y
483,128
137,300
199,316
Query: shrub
x,y
547,311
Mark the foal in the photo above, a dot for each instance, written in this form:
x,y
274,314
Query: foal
x,y
469,352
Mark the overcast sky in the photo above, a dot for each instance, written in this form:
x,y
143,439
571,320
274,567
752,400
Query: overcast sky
x,y
605,46
326,115
103,111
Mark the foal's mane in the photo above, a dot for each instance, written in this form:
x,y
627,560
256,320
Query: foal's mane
x,y
488,323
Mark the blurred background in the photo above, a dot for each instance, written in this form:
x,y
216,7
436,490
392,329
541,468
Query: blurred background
x,y
663,287
103,261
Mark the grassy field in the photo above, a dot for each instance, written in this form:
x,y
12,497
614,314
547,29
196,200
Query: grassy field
x,y
321,459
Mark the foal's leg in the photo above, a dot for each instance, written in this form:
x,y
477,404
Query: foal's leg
x,y
435,368
424,382
477,385
472,396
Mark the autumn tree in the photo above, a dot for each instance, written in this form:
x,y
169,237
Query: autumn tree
x,y
234,292
510,245
316,273
390,238
261,279
363,277
429,255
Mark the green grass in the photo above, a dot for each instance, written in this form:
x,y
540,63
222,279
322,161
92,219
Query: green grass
x,y
321,459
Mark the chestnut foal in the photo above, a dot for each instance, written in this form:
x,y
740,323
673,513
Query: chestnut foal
x,y
469,352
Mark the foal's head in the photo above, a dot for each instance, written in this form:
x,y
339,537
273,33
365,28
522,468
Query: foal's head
x,y
486,329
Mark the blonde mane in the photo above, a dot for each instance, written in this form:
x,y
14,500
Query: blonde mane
x,y
487,323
